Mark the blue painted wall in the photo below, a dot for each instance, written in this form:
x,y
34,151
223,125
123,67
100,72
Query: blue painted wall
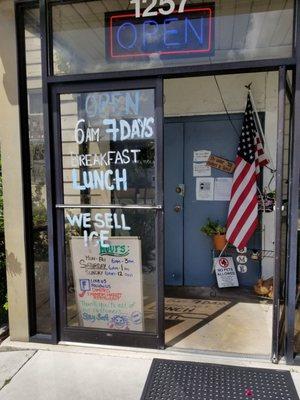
x,y
188,252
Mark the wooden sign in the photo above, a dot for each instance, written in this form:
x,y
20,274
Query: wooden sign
x,y
221,163
108,283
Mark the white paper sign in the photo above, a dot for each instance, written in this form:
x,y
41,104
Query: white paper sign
x,y
225,272
201,155
201,169
222,190
205,189
108,283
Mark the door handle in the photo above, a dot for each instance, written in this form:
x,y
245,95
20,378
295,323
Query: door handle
x,y
177,209
110,206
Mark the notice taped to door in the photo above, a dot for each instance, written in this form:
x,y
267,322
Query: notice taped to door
x,y
225,272
205,189
108,283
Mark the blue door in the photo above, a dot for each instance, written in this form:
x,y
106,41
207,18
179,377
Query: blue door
x,y
173,178
188,252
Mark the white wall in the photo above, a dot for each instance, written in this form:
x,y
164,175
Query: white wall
x,y
200,96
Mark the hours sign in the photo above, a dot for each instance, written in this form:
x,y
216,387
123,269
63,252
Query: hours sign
x,y
108,283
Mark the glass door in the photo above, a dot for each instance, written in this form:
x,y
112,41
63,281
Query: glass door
x,y
108,157
283,165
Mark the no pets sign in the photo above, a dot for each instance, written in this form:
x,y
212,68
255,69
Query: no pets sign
x,y
225,272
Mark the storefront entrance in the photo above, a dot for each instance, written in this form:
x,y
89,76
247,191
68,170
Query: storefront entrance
x,y
131,159
201,314
113,151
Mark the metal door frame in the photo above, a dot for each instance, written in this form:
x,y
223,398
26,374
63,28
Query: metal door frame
x,y
94,335
283,322
48,79
280,343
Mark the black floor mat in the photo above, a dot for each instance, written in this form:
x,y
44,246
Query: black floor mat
x,y
180,380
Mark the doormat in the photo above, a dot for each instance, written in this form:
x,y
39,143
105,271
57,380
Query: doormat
x,y
180,380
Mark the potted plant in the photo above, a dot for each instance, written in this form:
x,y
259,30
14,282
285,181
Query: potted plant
x,y
217,232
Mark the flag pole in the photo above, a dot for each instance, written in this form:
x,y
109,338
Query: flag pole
x,y
260,129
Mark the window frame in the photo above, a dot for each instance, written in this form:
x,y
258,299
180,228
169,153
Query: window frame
x,y
48,80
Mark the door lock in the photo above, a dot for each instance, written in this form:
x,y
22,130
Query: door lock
x,y
180,189
177,209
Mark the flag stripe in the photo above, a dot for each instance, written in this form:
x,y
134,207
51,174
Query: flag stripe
x,y
240,190
242,242
238,209
241,212
238,178
243,223
242,217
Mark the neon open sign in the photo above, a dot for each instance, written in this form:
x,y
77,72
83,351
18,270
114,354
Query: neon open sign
x,y
178,35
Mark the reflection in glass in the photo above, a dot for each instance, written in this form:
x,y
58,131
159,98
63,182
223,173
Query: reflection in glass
x,y
37,169
285,193
108,158
112,288
243,30
297,316
108,141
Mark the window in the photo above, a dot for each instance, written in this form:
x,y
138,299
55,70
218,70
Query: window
x,y
85,35
35,102
37,171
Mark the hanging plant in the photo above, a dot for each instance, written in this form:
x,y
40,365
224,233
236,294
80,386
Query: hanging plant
x,y
266,202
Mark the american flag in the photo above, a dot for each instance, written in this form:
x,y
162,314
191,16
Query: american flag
x,y
242,217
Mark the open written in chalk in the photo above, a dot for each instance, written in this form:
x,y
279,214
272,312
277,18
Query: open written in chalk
x,y
221,164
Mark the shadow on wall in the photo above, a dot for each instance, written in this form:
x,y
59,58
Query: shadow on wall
x,y
13,266
8,61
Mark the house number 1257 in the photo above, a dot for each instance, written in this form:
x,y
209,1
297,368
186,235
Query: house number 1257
x,y
155,7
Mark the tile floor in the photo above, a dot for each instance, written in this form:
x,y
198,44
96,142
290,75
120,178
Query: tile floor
x,y
219,325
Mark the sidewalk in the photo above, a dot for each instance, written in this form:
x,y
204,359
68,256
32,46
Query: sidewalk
x,y
43,372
